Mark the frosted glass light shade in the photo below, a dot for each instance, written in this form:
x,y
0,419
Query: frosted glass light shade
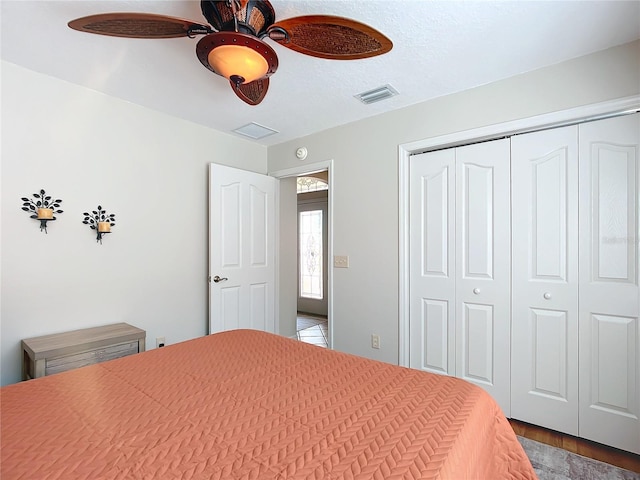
x,y
238,57
236,60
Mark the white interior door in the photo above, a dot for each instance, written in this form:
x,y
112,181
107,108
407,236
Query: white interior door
x,y
609,300
241,250
544,363
432,262
483,268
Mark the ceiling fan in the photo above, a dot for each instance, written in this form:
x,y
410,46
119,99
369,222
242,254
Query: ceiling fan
x,y
233,44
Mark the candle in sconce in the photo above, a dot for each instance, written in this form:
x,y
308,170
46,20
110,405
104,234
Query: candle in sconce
x,y
104,227
45,213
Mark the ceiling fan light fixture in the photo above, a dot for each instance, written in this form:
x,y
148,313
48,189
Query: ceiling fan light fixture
x,y
235,61
232,46
236,56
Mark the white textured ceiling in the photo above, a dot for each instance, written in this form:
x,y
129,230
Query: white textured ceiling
x,y
440,47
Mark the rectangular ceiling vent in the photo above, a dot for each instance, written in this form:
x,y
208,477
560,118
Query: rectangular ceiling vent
x,y
377,94
255,131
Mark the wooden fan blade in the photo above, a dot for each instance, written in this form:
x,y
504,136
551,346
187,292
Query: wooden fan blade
x,y
138,25
252,93
328,36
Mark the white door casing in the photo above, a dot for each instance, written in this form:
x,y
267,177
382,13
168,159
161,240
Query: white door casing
x,y
306,169
609,304
241,249
544,375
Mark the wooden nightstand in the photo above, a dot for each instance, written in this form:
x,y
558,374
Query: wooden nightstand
x,y
60,352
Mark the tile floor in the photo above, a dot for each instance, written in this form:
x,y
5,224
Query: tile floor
x,y
313,330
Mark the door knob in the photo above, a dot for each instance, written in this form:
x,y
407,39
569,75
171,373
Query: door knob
x,y
218,279
547,296
476,291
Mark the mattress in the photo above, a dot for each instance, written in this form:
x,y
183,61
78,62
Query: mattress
x,y
245,404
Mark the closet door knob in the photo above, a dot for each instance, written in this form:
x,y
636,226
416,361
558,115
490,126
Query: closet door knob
x,y
476,291
547,295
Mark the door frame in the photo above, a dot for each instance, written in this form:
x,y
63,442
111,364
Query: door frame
x,y
583,113
295,172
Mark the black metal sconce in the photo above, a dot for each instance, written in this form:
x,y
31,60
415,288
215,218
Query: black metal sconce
x,y
42,208
100,221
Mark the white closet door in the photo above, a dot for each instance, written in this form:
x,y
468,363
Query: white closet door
x,y
431,251
544,363
609,292
483,266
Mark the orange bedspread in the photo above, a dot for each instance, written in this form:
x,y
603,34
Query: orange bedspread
x,y
247,404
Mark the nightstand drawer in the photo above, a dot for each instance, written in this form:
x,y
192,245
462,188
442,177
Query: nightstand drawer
x,y
62,364
64,351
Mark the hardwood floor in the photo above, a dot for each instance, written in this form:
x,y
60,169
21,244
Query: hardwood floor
x,y
580,446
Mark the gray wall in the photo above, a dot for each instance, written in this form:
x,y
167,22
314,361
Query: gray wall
x,y
365,156
149,169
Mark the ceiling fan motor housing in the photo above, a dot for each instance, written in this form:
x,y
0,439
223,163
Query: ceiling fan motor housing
x,y
254,17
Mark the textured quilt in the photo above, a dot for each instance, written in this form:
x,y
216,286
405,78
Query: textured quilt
x,y
245,404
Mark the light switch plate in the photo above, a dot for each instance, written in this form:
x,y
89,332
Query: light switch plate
x,y
341,261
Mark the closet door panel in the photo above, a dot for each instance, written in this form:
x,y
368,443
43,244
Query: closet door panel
x,y
609,290
483,267
434,336
544,171
478,328
608,392
432,272
476,208
549,352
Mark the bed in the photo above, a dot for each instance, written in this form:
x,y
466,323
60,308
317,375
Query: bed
x,y
245,404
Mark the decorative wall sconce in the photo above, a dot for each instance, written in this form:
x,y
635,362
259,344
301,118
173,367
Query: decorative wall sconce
x,y
100,221
42,208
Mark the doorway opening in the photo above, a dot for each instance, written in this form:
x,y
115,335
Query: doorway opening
x,y
287,281
312,254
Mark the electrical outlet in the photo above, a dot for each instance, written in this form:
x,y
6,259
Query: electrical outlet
x,y
375,341
159,342
341,261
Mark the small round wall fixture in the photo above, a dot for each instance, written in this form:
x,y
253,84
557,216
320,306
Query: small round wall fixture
x,y
301,153
42,207
100,221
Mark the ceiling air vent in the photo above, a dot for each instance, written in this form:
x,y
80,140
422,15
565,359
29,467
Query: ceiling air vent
x,y
377,94
255,131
